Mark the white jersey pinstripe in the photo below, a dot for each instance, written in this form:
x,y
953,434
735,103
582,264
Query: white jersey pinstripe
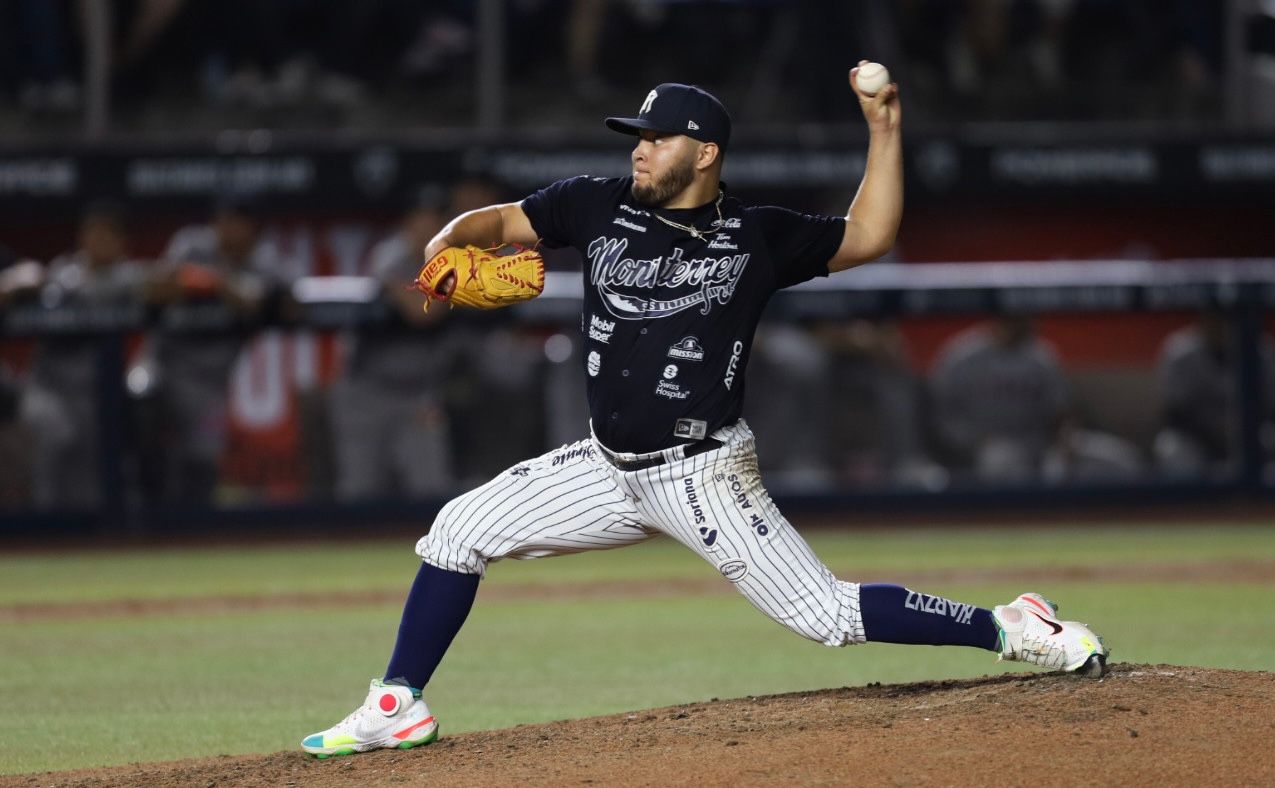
x,y
573,500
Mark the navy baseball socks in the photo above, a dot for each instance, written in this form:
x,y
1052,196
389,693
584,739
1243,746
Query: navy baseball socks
x,y
1026,630
394,714
894,614
436,607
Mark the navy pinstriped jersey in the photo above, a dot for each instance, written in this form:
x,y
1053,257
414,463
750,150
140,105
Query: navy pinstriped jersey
x,y
669,319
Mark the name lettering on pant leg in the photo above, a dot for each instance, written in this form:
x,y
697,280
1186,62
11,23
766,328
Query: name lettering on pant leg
x,y
759,525
739,491
562,457
692,500
959,612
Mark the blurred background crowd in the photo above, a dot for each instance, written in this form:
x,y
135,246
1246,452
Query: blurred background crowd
x,y
192,409
429,401
373,64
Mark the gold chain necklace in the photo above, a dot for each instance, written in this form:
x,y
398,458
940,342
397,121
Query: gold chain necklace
x,y
695,232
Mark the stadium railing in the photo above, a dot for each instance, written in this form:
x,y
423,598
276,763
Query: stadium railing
x,y
1242,290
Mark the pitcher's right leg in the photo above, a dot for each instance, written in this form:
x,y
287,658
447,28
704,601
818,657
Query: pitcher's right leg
x,y
561,502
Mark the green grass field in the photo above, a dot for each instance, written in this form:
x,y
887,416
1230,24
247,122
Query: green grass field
x,y
117,689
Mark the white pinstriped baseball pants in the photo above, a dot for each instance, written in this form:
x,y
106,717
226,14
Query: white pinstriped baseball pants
x,y
572,500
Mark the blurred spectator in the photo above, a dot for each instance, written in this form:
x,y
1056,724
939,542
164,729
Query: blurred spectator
x,y
390,426
505,362
217,276
498,399
62,392
790,405
584,40
959,59
566,401
1177,47
997,393
15,445
37,59
1080,454
872,433
1198,372
443,34
323,52
996,38
474,191
19,278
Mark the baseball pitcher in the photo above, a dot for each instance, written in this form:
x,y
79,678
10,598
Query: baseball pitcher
x,y
677,272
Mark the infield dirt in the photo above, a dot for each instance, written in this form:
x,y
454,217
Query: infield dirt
x,y
1140,725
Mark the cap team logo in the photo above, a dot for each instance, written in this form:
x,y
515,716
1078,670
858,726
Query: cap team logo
x,y
670,372
595,363
646,105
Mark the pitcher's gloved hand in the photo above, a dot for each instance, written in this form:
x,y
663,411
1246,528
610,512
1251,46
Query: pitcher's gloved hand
x,y
481,278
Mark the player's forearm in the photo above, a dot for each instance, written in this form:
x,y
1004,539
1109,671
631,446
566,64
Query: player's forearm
x,y
483,227
877,209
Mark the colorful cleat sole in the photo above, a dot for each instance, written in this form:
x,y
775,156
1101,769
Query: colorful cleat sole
x,y
407,745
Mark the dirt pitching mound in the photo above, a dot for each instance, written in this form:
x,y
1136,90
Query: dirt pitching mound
x,y
1141,725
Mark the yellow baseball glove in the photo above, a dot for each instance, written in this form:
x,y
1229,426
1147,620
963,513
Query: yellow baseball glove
x,y
483,279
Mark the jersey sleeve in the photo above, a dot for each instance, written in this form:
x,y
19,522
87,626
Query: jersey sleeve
x,y
558,211
800,244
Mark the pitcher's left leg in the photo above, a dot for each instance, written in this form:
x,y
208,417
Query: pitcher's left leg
x,y
714,504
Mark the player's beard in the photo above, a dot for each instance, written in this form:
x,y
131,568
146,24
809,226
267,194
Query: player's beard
x,y
660,190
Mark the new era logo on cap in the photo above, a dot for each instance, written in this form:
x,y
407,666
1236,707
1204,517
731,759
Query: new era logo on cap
x,y
679,109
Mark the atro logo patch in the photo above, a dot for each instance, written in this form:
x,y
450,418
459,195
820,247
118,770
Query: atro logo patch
x,y
709,535
670,372
594,363
735,352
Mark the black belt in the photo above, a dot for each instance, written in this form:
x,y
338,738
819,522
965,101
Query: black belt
x,y
628,466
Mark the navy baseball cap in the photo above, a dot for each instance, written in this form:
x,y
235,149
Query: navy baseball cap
x,y
679,109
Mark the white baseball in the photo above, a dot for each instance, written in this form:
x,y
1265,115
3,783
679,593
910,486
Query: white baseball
x,y
871,77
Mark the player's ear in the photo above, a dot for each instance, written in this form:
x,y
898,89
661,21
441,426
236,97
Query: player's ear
x,y
708,154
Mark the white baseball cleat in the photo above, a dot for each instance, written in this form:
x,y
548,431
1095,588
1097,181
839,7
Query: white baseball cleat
x,y
393,716
1034,601
1032,632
